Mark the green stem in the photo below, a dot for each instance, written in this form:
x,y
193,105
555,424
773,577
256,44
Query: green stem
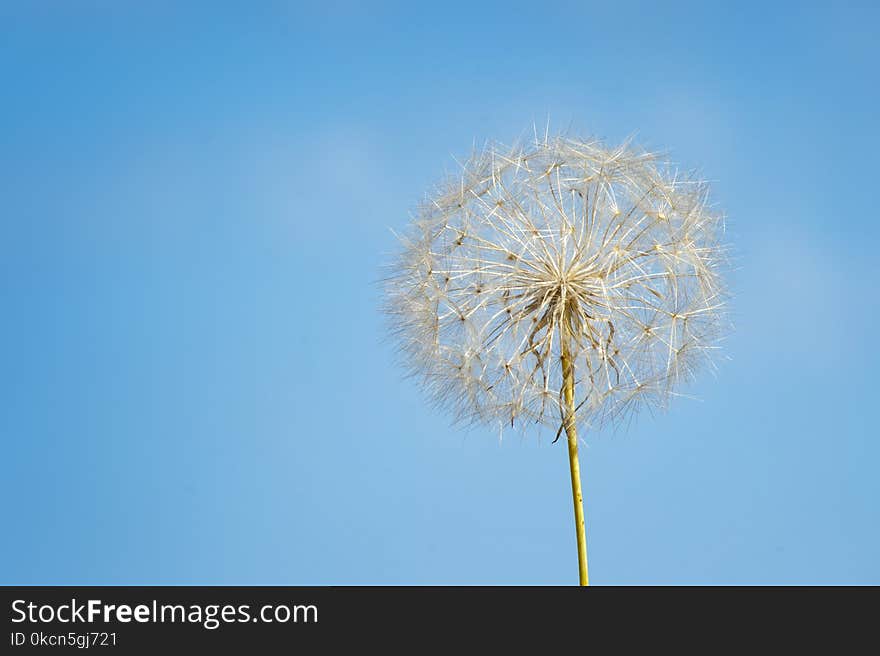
x,y
571,432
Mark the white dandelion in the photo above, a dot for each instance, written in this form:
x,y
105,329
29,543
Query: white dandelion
x,y
563,283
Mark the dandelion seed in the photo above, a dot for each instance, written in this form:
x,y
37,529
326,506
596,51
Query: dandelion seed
x,y
576,282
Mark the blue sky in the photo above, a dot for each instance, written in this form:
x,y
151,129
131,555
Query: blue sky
x,y
197,387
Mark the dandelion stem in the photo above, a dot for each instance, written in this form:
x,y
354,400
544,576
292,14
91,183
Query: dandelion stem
x,y
571,432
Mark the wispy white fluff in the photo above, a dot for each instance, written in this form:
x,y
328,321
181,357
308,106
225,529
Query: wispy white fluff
x,y
611,247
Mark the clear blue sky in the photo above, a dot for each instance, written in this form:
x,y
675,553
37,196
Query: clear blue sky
x,y
196,204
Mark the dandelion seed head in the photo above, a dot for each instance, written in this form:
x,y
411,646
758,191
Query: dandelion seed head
x,y
610,250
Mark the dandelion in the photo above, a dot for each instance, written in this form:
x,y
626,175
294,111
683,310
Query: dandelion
x,y
562,283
